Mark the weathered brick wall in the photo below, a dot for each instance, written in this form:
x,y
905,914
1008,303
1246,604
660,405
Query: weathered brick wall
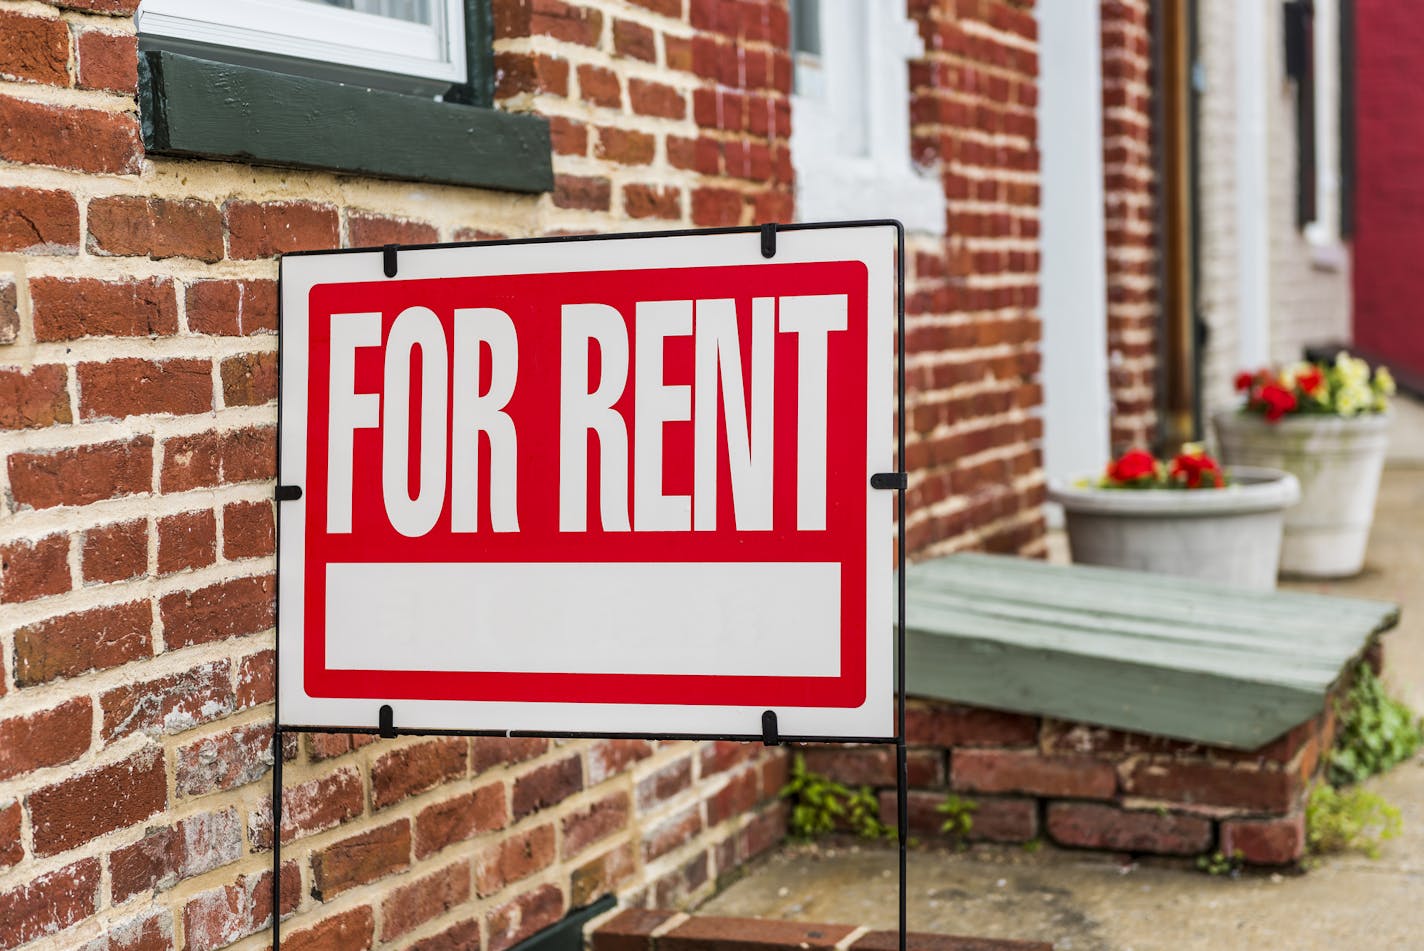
x,y
1081,786
137,426
137,430
972,325
1130,196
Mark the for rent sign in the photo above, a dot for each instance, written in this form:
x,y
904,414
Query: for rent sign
x,y
604,486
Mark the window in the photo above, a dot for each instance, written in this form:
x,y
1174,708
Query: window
x,y
395,44
1313,63
850,133
387,88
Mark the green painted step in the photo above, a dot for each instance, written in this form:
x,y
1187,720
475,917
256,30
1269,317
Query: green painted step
x,y
1148,653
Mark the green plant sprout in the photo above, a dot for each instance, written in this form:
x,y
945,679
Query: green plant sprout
x,y
1376,731
1349,820
958,813
819,805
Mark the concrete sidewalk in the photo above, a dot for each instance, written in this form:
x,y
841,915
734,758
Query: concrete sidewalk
x,y
1087,902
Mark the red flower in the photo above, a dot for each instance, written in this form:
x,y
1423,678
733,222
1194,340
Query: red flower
x,y
1197,470
1310,381
1277,399
1132,465
1244,379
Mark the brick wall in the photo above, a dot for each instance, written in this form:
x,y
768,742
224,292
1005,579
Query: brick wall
x,y
1130,195
137,430
1081,786
972,325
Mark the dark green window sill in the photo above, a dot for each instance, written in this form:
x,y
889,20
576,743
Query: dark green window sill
x,y
201,109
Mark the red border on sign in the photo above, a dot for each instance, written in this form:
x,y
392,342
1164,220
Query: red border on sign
x,y
533,302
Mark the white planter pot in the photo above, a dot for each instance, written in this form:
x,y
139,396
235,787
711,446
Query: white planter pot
x,y
1338,462
1231,535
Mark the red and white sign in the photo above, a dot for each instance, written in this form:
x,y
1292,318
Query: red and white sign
x,y
607,486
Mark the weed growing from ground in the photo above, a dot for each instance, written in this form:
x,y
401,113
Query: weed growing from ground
x,y
1376,732
1349,820
819,805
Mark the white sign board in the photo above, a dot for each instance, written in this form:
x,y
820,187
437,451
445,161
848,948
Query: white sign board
x,y
597,486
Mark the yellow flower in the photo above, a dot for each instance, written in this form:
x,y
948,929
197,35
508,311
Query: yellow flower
x,y
1352,370
1352,399
1384,381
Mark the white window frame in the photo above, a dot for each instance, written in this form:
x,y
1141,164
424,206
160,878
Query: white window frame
x,y
1327,250
850,129
317,33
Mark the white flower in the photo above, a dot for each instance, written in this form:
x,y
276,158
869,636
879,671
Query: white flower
x,y
1353,398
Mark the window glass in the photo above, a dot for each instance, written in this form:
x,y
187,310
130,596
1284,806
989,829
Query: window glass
x,y
412,11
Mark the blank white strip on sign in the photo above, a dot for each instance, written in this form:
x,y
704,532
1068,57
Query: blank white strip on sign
x,y
771,619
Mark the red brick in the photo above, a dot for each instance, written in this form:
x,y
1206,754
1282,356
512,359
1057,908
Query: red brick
x,y
562,21
414,769
1096,826
77,810
35,49
512,922
568,136
257,230
360,859
73,644
367,229
874,766
599,86
68,308
676,888
220,916
169,704
667,782
656,99
716,207
82,475
111,7
595,822
187,540
169,854
947,725
629,930
608,758
668,8
130,225
634,40
34,569
745,934
256,679
722,755
583,192
677,52
425,899
652,201
12,850
63,136
50,737
993,820
248,454
314,806
249,530
227,609
461,936
249,379
517,73
514,858
671,833
232,308
1004,771
49,904
108,61
1205,784
739,796
34,399
223,761
1265,841
488,752
39,220
120,388
624,146
547,785
461,818
347,931
151,930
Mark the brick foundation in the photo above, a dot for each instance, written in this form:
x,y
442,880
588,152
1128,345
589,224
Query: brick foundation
x,y
1081,786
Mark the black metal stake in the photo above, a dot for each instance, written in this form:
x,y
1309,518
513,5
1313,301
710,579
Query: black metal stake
x,y
276,837
902,773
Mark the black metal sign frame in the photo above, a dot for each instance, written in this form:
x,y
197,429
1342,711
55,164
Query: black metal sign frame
x,y
770,736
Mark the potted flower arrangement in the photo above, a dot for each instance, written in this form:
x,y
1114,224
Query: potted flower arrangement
x,y
1185,517
1327,424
